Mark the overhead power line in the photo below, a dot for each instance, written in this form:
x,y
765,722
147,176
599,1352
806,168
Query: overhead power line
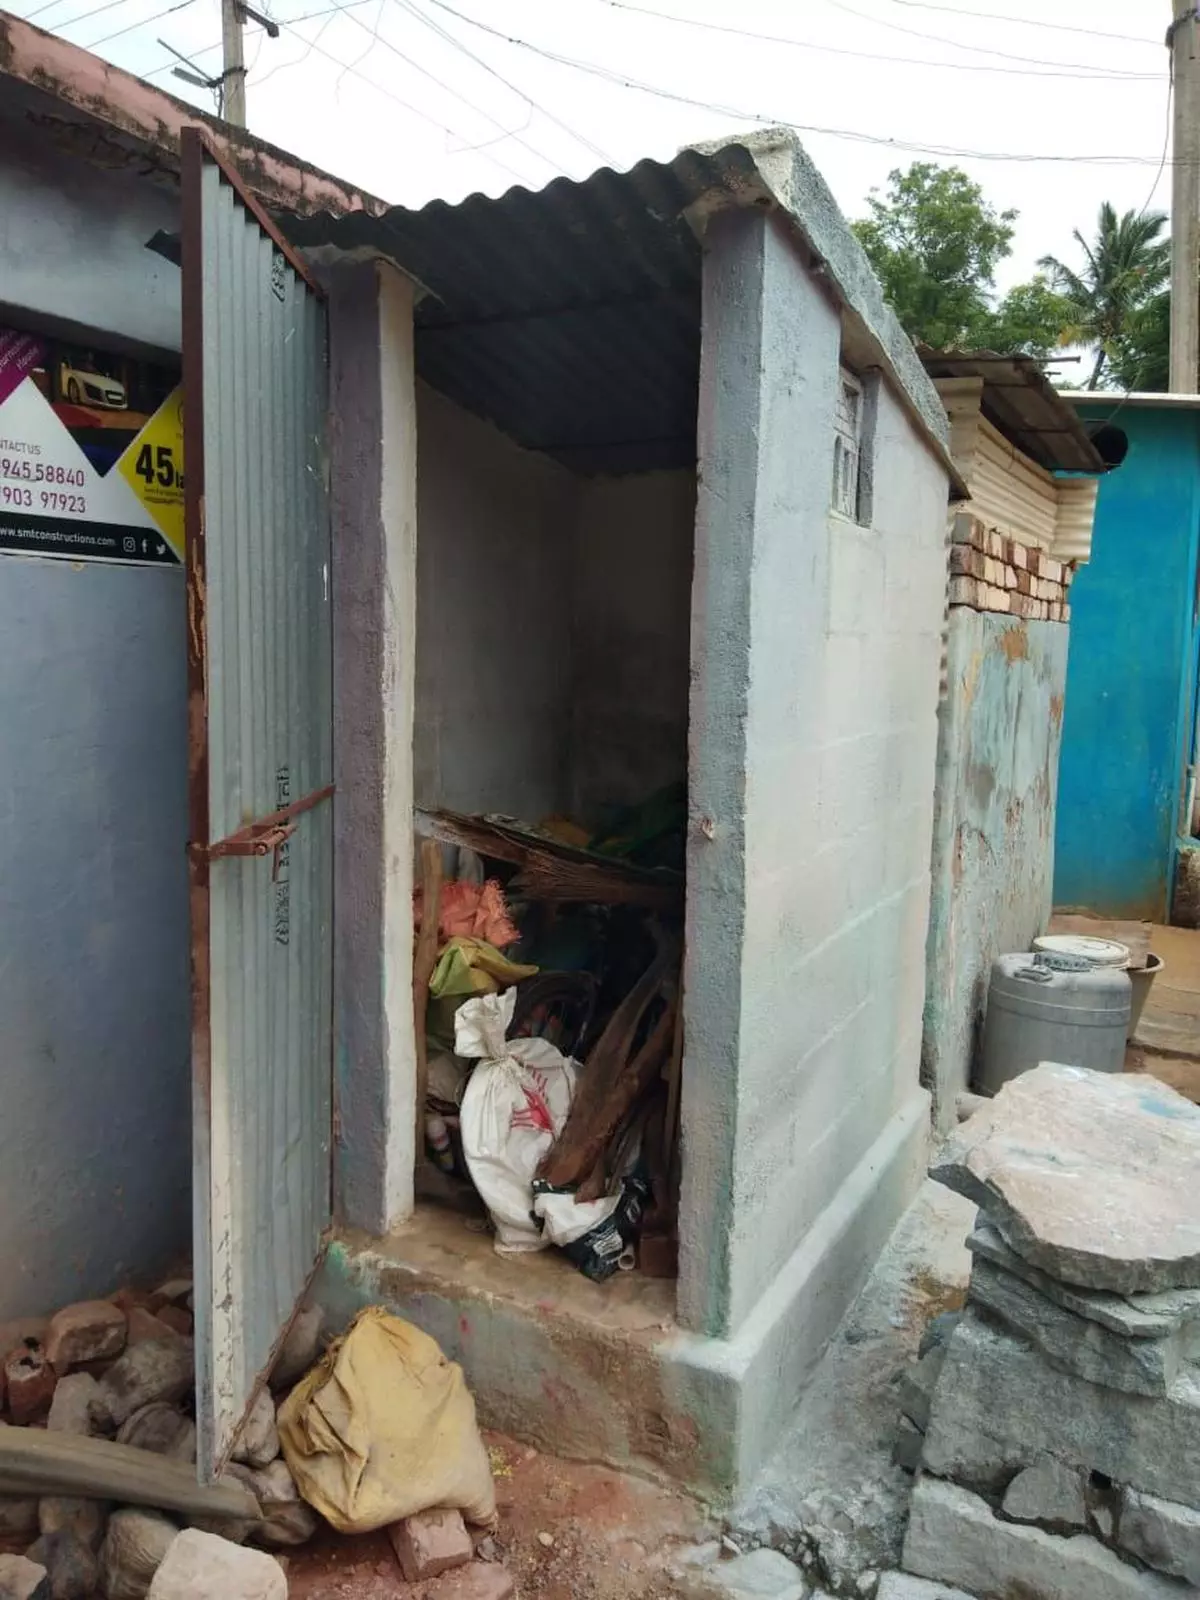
x,y
458,95
48,5
1166,149
389,94
1066,70
442,33
957,44
69,22
142,22
1028,22
741,114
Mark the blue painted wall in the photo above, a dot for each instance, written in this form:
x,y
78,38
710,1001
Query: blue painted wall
x,y
1129,674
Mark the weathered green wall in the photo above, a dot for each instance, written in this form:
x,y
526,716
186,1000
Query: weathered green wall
x,y
999,729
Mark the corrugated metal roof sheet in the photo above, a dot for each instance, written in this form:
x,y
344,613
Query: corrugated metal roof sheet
x,y
569,317
1020,401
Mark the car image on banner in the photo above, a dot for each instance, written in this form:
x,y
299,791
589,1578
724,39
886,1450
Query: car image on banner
x,y
81,384
91,454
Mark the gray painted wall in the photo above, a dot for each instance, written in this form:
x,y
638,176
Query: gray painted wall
x,y
552,626
95,1152
631,638
493,618
73,242
816,646
1000,727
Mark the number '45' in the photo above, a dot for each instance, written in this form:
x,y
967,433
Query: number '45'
x,y
158,466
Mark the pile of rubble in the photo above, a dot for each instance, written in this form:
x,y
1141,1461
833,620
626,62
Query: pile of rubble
x,y
98,1488
99,1399
1056,1431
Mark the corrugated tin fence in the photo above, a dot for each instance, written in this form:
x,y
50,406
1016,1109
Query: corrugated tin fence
x,y
262,774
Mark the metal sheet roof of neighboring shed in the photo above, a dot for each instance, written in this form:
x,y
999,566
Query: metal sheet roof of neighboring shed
x,y
570,316
1021,402
1136,397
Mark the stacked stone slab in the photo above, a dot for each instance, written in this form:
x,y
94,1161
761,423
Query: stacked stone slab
x,y
1061,1449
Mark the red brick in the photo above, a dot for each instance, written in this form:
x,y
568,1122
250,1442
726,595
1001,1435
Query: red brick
x,y
1052,570
92,1330
431,1543
31,1382
1025,582
967,529
967,592
1022,605
966,562
1035,561
480,1581
1020,556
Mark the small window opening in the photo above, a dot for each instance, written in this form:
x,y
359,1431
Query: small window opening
x,y
847,445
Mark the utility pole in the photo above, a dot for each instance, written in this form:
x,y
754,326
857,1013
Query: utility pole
x,y
1183,40
233,76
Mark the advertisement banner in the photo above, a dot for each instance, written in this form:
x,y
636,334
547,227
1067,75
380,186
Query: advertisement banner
x,y
91,455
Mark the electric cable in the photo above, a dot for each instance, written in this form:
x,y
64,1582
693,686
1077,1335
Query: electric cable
x,y
1029,22
142,22
447,88
868,55
766,118
957,44
442,33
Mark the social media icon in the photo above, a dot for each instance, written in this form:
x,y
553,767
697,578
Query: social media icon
x,y
130,545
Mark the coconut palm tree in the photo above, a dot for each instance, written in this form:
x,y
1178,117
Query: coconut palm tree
x,y
1125,266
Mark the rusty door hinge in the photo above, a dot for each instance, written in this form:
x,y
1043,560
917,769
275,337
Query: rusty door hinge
x,y
267,835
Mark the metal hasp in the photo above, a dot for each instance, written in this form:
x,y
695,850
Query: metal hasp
x,y
260,748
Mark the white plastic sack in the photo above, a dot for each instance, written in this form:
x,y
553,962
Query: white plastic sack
x,y
566,1219
514,1108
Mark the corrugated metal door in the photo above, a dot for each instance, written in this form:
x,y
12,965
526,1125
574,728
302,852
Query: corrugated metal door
x,y
261,773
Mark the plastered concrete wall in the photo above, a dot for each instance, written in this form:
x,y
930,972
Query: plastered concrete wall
x,y
72,241
373,499
95,1135
631,603
1000,728
493,618
816,646
95,1132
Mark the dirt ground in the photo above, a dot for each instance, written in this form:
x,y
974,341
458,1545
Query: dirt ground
x,y
603,1537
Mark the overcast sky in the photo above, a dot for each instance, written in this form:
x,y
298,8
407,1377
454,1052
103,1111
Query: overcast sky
x,y
414,99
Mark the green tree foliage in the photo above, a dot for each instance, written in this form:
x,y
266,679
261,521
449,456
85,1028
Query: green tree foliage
x,y
1030,319
1113,302
935,243
1142,357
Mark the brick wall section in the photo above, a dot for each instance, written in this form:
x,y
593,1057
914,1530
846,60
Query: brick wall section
x,y
989,572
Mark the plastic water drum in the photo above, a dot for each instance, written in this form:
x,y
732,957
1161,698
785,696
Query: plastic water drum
x,y
1047,1008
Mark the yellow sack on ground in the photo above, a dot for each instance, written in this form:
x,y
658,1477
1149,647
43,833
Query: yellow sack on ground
x,y
385,1427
